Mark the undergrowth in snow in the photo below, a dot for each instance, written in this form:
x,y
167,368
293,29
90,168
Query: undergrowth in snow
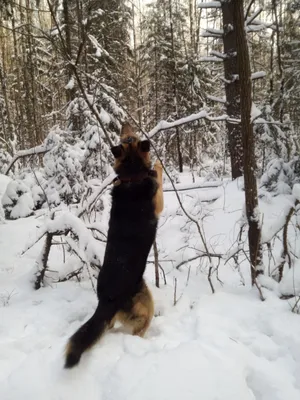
x,y
229,345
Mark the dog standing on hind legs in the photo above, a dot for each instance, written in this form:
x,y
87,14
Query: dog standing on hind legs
x,y
137,201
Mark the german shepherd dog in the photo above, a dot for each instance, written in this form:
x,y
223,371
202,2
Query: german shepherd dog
x,y
137,201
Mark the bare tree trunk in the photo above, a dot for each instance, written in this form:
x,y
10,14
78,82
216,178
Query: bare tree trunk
x,y
19,104
7,135
137,68
68,45
254,233
178,141
232,89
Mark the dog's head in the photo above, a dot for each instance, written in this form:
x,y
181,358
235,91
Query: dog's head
x,y
132,155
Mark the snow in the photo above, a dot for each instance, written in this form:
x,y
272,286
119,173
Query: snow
x,y
218,54
296,191
258,75
44,148
210,59
99,49
225,346
17,200
218,99
210,4
255,112
291,281
70,85
4,181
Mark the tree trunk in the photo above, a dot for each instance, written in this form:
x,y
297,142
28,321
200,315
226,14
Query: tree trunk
x,y
254,233
232,90
178,144
67,28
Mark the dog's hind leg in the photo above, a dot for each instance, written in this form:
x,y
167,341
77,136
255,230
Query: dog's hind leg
x,y
141,313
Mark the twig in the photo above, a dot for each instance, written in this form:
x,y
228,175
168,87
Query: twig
x,y
164,274
259,289
212,255
209,277
188,276
296,304
156,266
285,252
44,261
175,292
72,275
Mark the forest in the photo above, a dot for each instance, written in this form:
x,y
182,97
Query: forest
x,y
215,87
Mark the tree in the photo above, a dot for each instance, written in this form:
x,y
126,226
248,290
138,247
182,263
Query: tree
x,y
252,211
231,83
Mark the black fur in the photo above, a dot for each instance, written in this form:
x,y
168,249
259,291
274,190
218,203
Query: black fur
x,y
145,145
132,229
117,151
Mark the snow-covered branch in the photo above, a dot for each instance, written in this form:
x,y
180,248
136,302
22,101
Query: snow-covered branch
x,y
218,54
94,197
258,75
252,17
210,4
211,32
164,125
42,149
218,99
210,59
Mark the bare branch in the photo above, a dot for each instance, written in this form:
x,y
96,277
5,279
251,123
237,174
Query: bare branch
x,y
156,264
250,19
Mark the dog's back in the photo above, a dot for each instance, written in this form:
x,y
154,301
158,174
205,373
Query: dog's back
x,y
131,234
121,290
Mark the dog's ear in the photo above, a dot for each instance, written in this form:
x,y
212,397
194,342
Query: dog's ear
x,y
144,146
117,151
126,130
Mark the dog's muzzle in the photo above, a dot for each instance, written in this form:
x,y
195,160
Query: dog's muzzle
x,y
129,140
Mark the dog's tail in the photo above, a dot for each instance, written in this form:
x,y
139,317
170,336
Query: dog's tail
x,y
88,334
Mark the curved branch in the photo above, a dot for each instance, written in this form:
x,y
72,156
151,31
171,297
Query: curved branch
x,y
42,149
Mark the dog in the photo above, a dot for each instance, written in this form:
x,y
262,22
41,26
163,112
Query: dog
x,y
137,201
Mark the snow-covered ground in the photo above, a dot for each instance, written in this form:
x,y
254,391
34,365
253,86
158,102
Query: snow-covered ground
x,y
223,346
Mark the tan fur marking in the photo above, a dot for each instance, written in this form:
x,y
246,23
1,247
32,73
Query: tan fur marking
x,y
159,196
126,130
